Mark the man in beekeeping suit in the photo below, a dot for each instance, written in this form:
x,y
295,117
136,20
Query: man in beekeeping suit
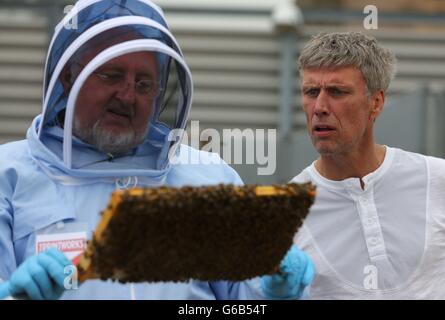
x,y
116,93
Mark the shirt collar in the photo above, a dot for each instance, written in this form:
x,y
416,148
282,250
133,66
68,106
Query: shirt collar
x,y
354,183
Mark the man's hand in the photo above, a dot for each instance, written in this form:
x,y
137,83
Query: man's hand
x,y
40,277
296,272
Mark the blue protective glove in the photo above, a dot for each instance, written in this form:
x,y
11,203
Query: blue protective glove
x,y
296,272
40,277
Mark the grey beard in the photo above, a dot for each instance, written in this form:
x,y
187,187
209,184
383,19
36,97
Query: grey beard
x,y
106,141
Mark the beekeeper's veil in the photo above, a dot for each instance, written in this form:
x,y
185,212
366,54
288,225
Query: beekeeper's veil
x,y
91,35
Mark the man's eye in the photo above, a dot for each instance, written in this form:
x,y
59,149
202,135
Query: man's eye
x,y
311,92
336,92
109,76
144,84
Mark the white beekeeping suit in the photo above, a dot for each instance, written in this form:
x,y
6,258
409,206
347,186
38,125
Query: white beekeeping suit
x,y
116,100
53,176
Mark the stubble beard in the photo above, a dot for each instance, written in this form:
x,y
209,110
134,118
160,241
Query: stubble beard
x,y
106,140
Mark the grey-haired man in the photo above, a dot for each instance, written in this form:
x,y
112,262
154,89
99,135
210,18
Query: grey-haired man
x,y
377,228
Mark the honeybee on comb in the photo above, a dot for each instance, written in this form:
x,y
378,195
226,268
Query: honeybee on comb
x,y
209,233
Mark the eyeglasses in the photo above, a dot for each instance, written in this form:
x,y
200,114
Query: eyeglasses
x,y
142,86
114,77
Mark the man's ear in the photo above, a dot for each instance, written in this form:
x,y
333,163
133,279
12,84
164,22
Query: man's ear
x,y
377,102
66,78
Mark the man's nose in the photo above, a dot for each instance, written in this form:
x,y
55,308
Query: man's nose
x,y
321,107
126,92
